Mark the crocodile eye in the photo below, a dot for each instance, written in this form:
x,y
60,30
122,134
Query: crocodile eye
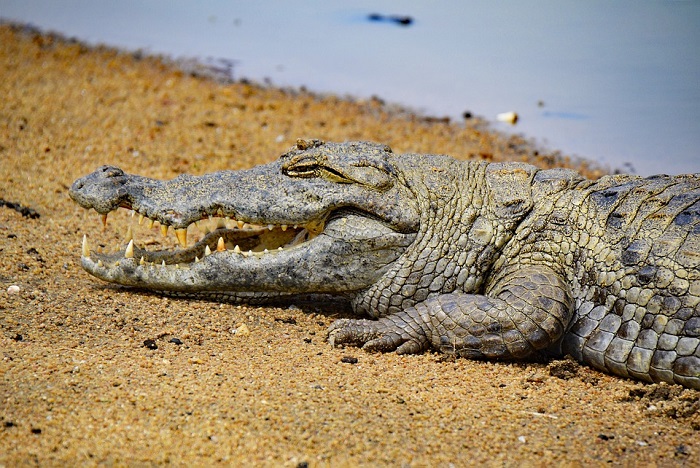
x,y
302,170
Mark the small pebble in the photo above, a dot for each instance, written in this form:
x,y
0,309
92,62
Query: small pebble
x,y
177,341
150,344
14,289
348,360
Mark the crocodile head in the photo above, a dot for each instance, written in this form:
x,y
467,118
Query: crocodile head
x,y
324,218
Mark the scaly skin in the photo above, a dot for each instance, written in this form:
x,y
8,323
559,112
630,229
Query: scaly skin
x,y
489,261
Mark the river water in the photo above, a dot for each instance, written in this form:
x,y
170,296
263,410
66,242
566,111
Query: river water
x,y
617,82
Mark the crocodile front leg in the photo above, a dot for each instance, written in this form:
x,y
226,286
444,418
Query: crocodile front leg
x,y
527,311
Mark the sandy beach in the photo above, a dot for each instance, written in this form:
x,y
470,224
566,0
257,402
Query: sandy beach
x,y
232,384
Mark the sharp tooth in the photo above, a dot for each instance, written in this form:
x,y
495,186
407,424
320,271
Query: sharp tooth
x,y
240,224
164,230
266,251
181,236
142,261
270,227
100,264
250,252
150,223
129,252
296,226
177,266
280,248
162,264
221,245
86,247
207,250
220,223
129,234
284,227
104,220
141,219
132,212
196,259
117,263
237,249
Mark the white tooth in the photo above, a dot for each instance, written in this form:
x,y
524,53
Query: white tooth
x,y
296,226
207,250
86,247
250,252
162,263
270,227
177,266
196,259
133,212
129,252
266,251
280,248
284,227
100,264
237,249
220,223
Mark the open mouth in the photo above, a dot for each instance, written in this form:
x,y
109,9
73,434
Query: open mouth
x,y
149,242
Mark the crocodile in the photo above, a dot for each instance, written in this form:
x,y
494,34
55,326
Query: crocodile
x,y
499,261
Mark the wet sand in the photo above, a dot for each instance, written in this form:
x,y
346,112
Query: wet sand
x,y
239,384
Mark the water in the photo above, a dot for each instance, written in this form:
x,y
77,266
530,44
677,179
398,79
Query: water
x,y
615,82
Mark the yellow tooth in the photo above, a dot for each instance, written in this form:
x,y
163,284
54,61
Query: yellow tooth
x,y
129,252
141,219
164,230
117,263
207,250
142,261
220,246
240,224
104,220
237,249
220,223
219,212
100,264
86,247
150,224
181,236
284,227
129,234
270,227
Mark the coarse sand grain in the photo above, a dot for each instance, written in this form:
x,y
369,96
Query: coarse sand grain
x,y
93,374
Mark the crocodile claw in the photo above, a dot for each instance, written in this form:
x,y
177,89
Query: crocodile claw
x,y
381,335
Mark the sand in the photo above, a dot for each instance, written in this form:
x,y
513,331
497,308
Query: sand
x,y
237,384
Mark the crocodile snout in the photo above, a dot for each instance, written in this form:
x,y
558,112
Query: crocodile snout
x,y
102,190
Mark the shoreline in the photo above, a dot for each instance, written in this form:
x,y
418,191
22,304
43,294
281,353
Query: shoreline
x,y
78,385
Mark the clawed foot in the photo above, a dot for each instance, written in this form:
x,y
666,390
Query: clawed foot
x,y
385,334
